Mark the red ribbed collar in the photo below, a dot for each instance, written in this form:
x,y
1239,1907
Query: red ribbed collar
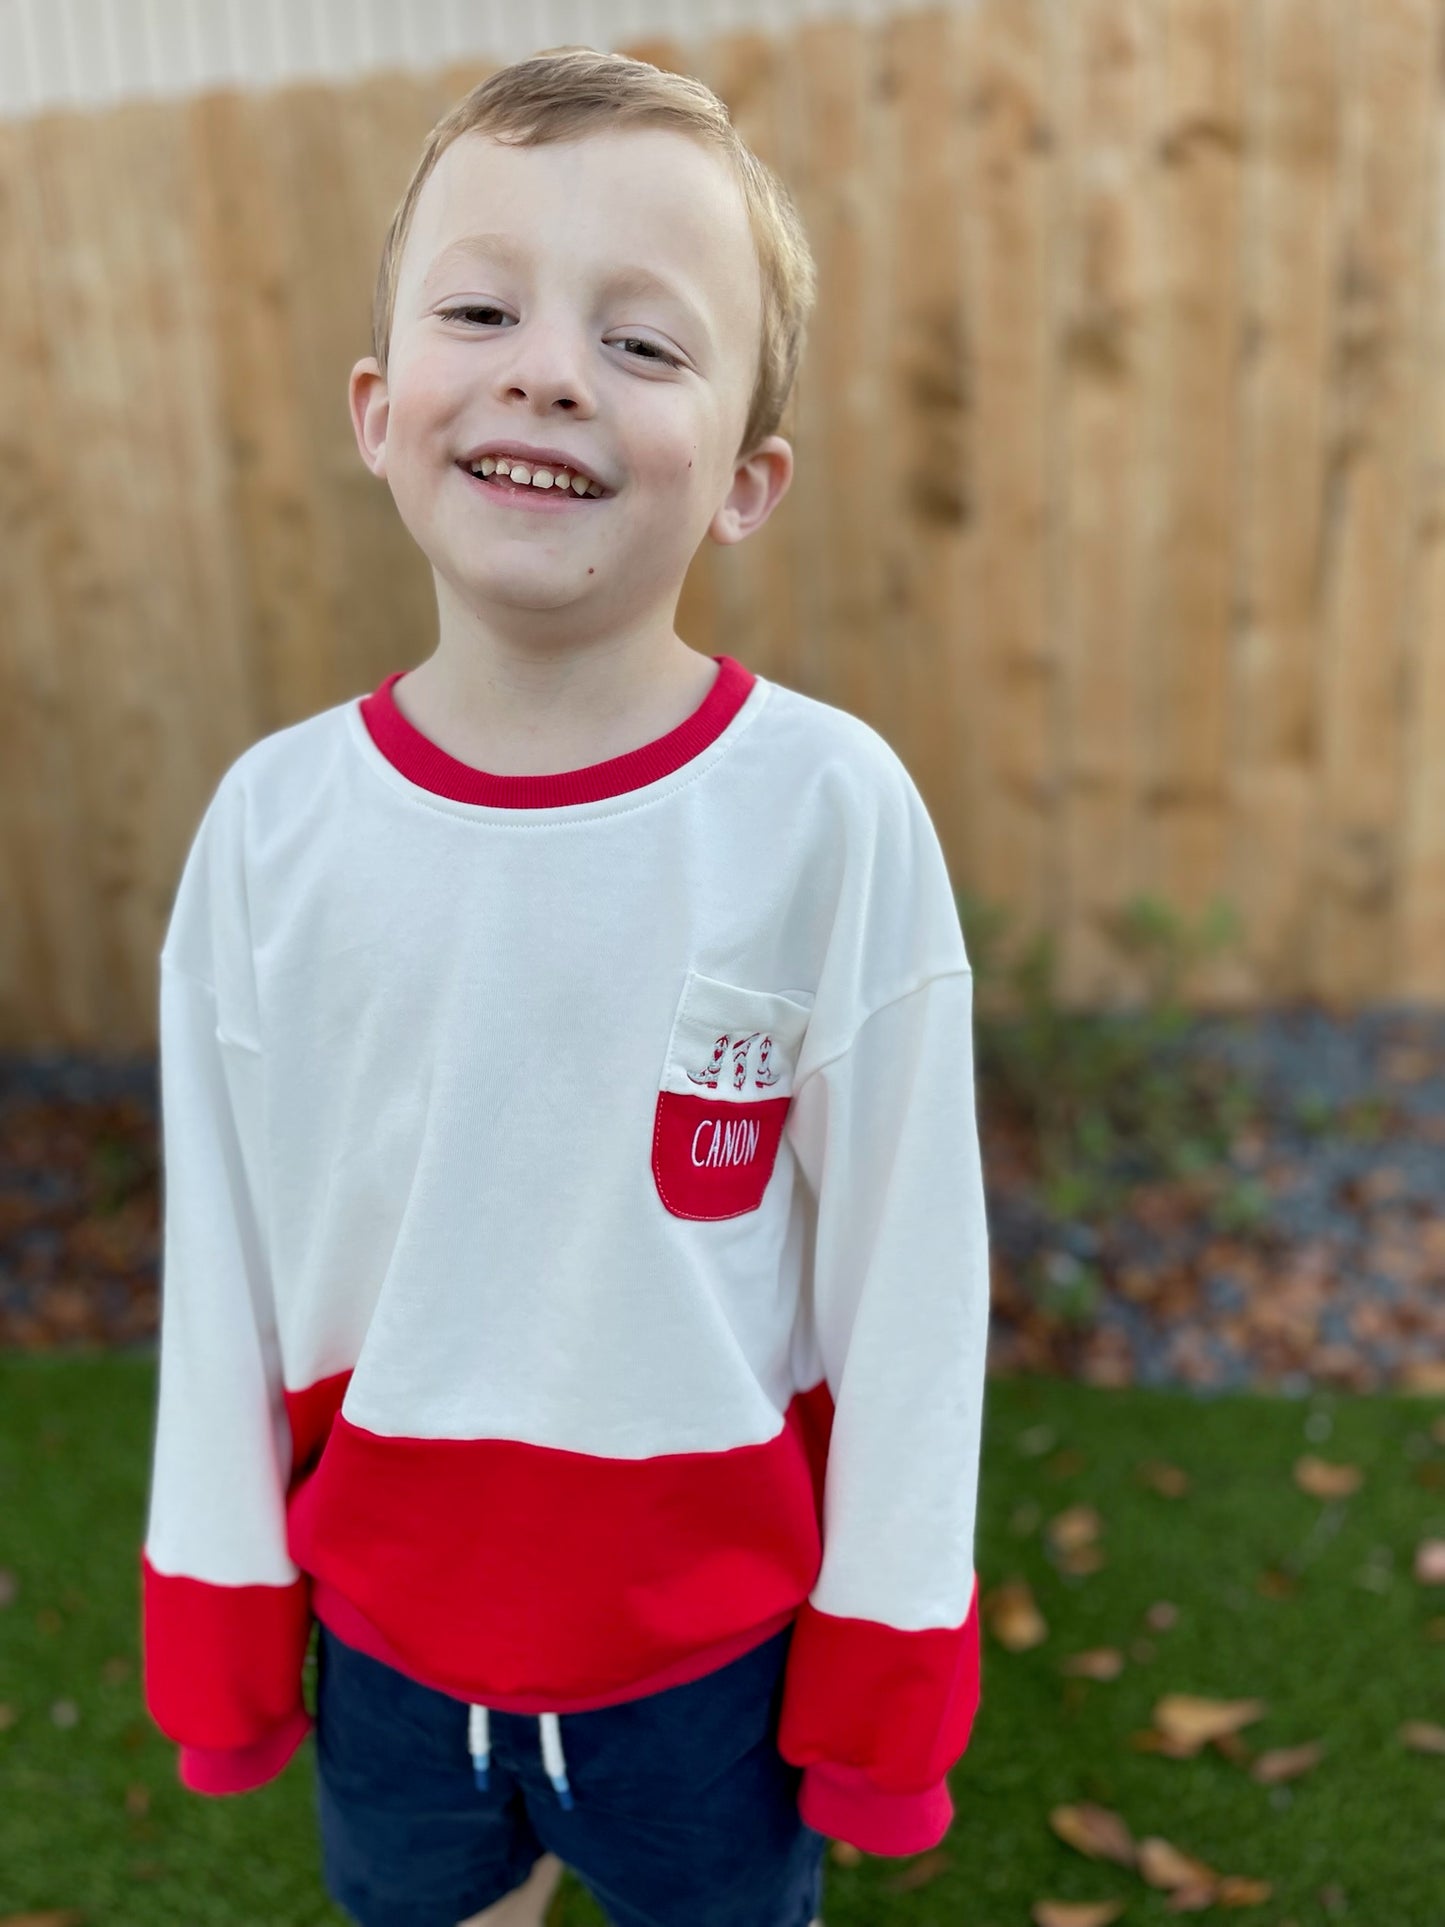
x,y
423,762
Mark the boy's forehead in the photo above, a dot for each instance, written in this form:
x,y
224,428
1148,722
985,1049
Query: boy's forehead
x,y
645,198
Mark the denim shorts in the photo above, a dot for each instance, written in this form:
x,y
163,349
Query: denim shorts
x,y
683,1812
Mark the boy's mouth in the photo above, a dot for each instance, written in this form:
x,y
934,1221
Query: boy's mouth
x,y
559,488
522,496
528,494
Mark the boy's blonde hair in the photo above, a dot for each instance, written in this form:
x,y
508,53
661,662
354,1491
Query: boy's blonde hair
x,y
566,92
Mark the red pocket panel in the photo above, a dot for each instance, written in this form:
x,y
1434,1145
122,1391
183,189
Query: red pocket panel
x,y
713,1159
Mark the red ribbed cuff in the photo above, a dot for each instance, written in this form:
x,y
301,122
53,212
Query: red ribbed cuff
x,y
240,1769
843,1803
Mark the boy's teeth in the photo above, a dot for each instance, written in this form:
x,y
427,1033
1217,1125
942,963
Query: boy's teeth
x,y
536,478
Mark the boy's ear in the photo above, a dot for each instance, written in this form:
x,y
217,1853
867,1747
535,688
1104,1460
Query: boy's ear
x,y
759,484
369,400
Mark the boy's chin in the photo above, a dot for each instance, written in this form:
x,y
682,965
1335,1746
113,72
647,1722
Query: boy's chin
x,y
551,583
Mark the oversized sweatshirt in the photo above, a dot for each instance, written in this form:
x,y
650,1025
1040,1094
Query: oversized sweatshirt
x,y
574,1260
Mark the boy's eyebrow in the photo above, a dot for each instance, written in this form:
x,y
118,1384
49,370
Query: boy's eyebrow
x,y
627,279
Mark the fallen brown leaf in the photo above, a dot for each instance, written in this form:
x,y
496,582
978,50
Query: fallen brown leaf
x,y
1324,1480
1082,1559
1423,1736
1274,1584
1167,1480
56,1917
1238,1890
1163,1865
1079,1525
1075,1913
846,1854
1190,1720
925,1869
1100,1662
1430,1562
1161,1616
1233,1748
1096,1831
1148,1739
1192,1898
1013,1617
1287,1762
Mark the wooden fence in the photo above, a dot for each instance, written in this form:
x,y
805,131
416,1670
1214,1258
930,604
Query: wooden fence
x,y
1118,508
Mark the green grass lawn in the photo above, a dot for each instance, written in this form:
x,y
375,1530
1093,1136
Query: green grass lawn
x,y
1309,1605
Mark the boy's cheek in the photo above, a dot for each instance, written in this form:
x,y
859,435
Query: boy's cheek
x,y
424,397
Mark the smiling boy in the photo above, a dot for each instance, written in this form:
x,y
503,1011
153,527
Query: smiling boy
x,y
599,295
575,1285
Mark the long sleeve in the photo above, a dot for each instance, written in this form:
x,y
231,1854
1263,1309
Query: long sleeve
x,y
225,1614
883,1675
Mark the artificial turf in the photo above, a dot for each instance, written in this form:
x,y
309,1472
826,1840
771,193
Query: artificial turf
x,y
1309,1605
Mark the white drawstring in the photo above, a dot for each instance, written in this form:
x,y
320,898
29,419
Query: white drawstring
x,y
479,1744
552,1758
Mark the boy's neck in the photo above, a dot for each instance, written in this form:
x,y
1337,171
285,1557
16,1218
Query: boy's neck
x,y
534,724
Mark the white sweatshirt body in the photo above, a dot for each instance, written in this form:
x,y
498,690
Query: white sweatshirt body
x,y
575,1263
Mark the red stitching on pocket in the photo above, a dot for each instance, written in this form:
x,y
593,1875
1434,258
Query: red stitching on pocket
x,y
711,1159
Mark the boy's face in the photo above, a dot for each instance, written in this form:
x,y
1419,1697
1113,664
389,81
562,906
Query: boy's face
x,y
553,350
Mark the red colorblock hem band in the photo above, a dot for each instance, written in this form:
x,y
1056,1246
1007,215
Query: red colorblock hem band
x,y
240,1769
843,1803
428,765
337,1613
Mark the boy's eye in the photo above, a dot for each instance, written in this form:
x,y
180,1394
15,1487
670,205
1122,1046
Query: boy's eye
x,y
654,352
451,314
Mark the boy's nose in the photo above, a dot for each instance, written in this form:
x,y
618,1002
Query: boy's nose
x,y
547,369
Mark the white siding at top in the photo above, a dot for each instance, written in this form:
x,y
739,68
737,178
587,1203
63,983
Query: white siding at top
x,y
90,52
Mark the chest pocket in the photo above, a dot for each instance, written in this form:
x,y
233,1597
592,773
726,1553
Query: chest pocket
x,y
727,1082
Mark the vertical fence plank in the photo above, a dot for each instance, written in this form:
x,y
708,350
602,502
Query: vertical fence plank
x,y
43,827
1191,582
1296,65
1007,185
324,246
1100,296
281,588
1371,493
841,380
89,286
1419,938
825,149
182,631
926,412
